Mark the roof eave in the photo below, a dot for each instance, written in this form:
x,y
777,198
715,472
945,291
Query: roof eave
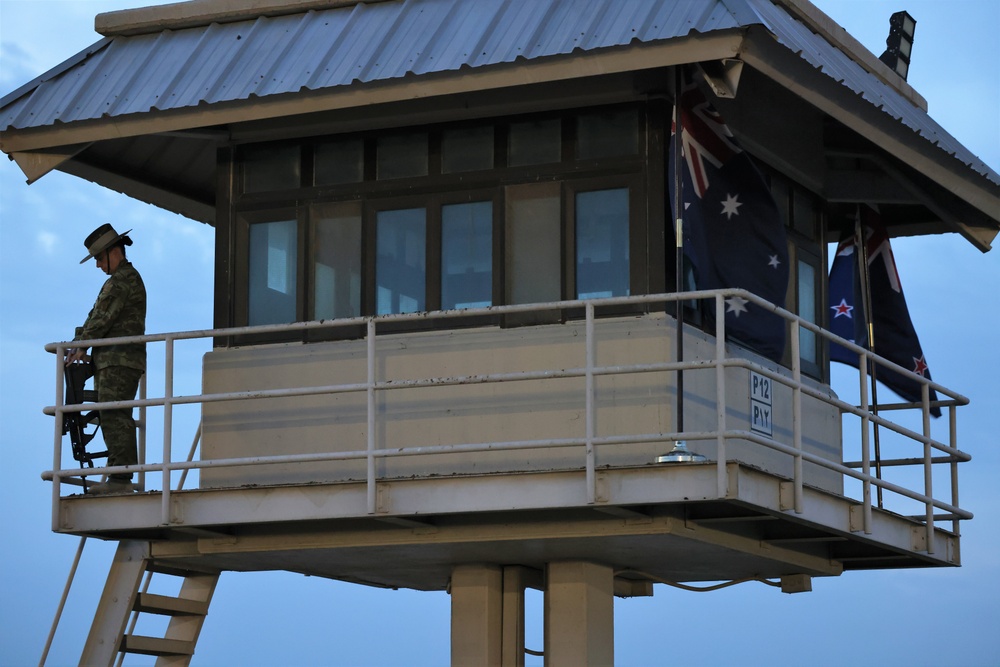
x,y
146,192
763,53
637,56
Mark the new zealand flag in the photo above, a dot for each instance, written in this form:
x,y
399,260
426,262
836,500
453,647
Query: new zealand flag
x,y
733,234
892,330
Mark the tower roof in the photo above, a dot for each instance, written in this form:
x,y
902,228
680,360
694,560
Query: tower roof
x,y
197,68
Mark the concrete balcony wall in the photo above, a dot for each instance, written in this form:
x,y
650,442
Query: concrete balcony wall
x,y
537,409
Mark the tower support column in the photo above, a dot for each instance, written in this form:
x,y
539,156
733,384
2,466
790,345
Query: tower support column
x,y
579,615
476,615
515,580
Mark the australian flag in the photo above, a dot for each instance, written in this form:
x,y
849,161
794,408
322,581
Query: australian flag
x,y
733,234
892,331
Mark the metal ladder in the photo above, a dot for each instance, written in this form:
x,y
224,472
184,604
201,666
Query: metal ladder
x,y
125,593
131,568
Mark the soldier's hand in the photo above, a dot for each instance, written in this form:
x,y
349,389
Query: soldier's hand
x,y
74,355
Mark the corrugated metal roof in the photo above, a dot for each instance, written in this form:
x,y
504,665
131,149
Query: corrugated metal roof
x,y
326,49
322,50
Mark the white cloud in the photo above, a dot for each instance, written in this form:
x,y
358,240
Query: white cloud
x,y
16,69
47,241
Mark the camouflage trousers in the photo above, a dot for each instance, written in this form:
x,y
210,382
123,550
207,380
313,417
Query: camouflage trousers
x,y
118,383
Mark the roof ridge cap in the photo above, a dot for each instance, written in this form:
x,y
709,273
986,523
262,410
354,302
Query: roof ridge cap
x,y
819,22
194,13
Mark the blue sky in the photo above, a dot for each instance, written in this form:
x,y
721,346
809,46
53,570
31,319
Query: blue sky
x,y
918,617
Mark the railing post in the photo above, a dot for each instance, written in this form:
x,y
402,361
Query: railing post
x,y
142,432
168,406
589,342
925,392
721,481
797,416
953,443
370,475
866,463
57,446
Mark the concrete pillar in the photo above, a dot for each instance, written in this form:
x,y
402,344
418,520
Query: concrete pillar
x,y
476,615
579,615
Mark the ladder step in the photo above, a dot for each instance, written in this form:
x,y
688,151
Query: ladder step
x,y
179,570
169,606
155,646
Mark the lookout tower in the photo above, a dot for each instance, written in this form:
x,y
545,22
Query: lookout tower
x,y
453,348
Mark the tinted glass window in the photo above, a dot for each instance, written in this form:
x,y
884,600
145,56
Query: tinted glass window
x,y
534,243
336,268
807,310
402,156
401,261
339,162
467,149
607,134
467,255
805,214
534,142
602,243
267,168
272,272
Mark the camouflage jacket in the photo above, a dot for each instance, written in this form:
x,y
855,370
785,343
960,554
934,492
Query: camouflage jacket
x,y
120,310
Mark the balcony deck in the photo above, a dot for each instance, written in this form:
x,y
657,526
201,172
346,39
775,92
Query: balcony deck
x,y
402,504
660,522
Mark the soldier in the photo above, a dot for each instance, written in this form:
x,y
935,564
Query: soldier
x,y
120,310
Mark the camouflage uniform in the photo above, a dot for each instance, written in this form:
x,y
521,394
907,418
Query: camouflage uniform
x,y
120,310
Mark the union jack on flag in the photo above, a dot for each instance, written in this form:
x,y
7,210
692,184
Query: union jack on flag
x,y
733,234
877,241
894,335
705,137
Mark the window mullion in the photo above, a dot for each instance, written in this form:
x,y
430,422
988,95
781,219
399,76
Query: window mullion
x,y
301,296
432,248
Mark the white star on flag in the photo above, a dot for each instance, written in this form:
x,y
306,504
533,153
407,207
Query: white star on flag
x,y
774,262
730,205
736,305
843,309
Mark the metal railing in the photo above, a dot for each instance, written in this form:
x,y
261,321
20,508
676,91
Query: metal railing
x,y
947,453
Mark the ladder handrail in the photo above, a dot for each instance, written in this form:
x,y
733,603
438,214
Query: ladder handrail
x,y
62,602
76,562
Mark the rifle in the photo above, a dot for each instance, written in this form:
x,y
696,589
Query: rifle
x,y
76,423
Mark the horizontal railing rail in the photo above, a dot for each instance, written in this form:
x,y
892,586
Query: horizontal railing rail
x,y
719,362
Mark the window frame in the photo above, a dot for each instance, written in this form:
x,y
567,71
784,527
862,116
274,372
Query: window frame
x,y
240,297
803,255
643,173
435,190
313,218
638,267
808,248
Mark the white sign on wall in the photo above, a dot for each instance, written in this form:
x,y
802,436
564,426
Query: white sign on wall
x,y
760,404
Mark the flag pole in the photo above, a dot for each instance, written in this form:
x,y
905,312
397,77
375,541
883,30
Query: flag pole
x,y
679,237
866,296
679,453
